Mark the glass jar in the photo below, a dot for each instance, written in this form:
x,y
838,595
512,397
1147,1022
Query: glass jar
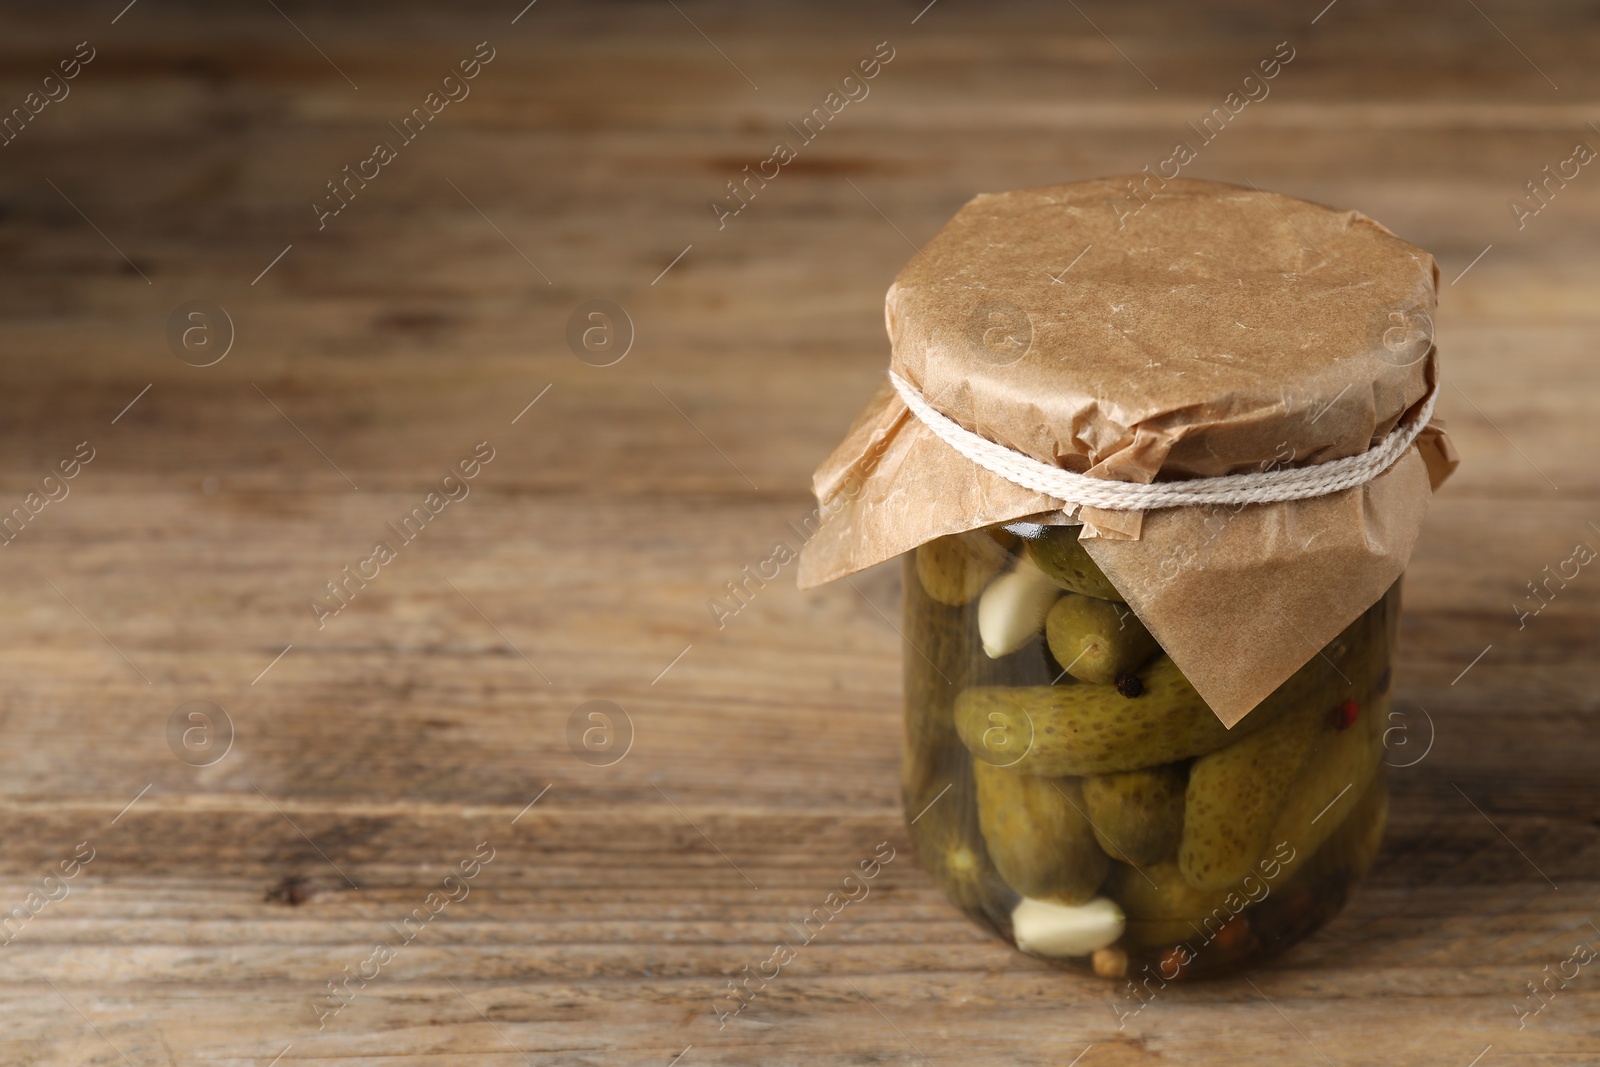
x,y
1066,786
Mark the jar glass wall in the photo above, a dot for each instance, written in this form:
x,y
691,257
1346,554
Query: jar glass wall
x,y
1066,786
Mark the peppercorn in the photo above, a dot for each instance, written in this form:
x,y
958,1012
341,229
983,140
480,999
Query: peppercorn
x,y
1174,960
1110,962
1233,933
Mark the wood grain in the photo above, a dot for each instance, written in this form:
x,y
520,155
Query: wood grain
x,y
382,748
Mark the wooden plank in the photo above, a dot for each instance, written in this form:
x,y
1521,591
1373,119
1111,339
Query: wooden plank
x,y
380,749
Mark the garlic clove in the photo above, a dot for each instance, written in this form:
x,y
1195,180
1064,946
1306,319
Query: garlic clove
x,y
1013,608
1045,928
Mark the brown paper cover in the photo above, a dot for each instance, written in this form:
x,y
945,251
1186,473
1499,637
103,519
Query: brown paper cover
x,y
1150,331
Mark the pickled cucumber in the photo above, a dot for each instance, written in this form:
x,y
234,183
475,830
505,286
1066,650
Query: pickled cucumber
x,y
1037,835
936,666
949,846
954,569
935,769
1268,789
1350,849
1137,815
1160,891
1059,554
958,863
1236,793
1324,879
1094,729
1097,640
1335,776
1164,909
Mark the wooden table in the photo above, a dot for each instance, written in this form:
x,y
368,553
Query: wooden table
x,y
438,716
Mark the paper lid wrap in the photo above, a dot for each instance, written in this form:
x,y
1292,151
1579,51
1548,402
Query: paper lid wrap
x,y
1160,331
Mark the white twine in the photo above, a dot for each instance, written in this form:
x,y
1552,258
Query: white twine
x,y
1253,487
